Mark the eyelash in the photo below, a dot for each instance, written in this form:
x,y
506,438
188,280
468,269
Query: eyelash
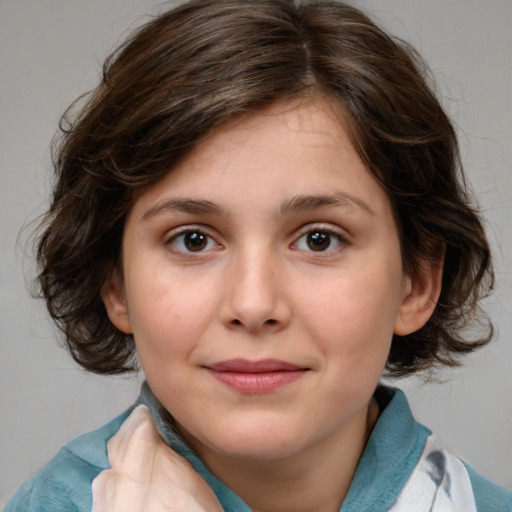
x,y
178,236
342,242
191,230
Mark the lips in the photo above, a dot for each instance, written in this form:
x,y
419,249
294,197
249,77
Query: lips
x,y
254,377
246,366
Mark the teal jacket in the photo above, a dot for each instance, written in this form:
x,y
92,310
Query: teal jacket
x,y
402,461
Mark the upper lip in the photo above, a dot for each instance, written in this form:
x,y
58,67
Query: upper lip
x,y
248,366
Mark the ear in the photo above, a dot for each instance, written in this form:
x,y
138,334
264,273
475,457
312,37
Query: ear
x,y
419,298
114,298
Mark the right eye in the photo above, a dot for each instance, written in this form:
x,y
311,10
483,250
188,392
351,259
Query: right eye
x,y
192,241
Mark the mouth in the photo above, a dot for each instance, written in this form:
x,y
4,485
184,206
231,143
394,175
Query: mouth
x,y
255,377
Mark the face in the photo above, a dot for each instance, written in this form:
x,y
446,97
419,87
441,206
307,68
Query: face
x,y
263,282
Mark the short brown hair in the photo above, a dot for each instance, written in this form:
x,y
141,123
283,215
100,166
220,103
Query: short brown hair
x,y
201,63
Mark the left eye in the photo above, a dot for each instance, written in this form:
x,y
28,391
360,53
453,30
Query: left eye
x,y
319,241
192,241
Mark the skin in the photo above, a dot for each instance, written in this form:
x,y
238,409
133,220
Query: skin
x,y
143,468
260,289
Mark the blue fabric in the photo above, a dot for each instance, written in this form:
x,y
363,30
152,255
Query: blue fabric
x,y
489,496
392,451
64,484
229,500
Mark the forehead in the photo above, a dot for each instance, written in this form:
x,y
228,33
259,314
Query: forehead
x,y
304,122
292,148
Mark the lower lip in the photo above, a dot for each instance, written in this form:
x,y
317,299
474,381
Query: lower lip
x,y
254,383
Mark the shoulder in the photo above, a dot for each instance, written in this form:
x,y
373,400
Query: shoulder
x,y
61,485
64,483
443,482
404,468
489,497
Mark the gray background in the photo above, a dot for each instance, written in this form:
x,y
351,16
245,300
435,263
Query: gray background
x,y
52,50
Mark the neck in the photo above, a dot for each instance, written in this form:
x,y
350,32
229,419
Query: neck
x,y
316,479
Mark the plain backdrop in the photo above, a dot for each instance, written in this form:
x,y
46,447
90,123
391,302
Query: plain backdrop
x,y
52,50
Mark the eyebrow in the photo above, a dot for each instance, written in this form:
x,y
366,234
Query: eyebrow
x,y
296,204
313,202
185,205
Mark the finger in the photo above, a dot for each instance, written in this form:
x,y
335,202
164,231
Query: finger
x,y
103,489
133,450
115,493
133,447
145,470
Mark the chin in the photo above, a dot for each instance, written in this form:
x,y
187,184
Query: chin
x,y
259,450
263,442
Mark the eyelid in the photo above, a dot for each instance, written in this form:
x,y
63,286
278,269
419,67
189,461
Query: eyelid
x,y
322,226
337,231
174,233
340,233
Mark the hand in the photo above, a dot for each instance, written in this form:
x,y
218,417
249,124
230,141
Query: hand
x,y
146,475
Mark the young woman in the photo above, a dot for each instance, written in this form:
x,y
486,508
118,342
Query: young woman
x,y
262,204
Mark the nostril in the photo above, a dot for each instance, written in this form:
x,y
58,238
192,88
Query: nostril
x,y
269,322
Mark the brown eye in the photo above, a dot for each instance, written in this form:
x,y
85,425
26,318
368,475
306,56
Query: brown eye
x,y
192,241
195,241
319,240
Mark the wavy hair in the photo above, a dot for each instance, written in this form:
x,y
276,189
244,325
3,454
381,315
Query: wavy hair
x,y
194,67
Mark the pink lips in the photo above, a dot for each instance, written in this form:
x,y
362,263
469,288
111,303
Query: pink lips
x,y
255,376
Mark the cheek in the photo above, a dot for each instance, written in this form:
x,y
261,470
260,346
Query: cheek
x,y
168,314
353,318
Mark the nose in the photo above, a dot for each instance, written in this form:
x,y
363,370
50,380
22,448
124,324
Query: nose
x,y
255,297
